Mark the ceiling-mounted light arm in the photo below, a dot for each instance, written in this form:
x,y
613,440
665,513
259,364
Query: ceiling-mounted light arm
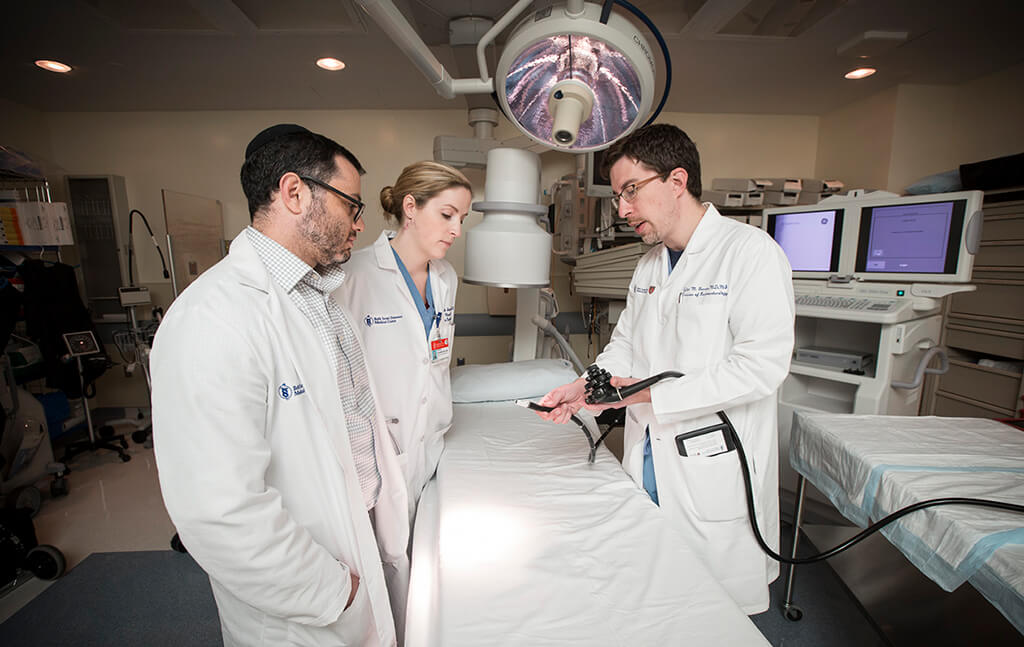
x,y
405,37
492,33
397,27
606,10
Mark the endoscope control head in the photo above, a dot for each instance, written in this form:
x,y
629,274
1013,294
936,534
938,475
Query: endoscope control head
x,y
598,388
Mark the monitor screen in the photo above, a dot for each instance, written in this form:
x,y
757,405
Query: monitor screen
x,y
810,238
911,238
597,183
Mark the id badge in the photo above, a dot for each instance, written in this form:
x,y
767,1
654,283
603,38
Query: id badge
x,y
440,346
706,441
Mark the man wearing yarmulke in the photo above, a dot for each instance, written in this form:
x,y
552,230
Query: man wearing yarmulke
x,y
264,420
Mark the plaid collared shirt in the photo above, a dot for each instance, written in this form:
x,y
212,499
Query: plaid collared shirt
x,y
311,292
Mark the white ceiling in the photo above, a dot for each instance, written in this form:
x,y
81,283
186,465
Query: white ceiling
x,y
750,56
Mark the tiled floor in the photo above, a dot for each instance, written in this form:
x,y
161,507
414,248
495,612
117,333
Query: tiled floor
x,y
111,506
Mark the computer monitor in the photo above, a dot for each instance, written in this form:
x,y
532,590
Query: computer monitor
x,y
927,238
811,238
597,184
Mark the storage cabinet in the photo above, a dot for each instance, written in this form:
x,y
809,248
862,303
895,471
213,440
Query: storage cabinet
x,y
987,324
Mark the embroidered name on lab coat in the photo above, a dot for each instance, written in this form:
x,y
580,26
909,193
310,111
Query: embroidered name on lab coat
x,y
448,315
710,290
287,392
383,320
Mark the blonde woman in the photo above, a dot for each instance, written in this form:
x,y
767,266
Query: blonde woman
x,y
401,293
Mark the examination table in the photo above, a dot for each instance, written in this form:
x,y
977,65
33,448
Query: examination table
x,y
871,466
520,541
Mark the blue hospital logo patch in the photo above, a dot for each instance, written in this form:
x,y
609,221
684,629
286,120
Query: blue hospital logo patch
x,y
286,392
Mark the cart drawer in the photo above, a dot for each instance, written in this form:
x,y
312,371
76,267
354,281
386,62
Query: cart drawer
x,y
989,342
953,408
1000,255
1004,300
999,388
1003,228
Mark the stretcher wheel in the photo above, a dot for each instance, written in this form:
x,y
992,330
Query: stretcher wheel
x,y
125,458
59,487
45,562
794,613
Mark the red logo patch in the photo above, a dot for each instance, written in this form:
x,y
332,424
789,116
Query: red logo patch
x,y
650,290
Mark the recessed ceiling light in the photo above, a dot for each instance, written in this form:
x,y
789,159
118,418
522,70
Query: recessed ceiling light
x,y
860,73
331,64
53,66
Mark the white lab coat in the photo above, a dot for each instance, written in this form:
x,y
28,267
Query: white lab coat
x,y
724,317
256,466
414,390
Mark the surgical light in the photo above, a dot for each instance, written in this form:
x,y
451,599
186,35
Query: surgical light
x,y
572,76
575,83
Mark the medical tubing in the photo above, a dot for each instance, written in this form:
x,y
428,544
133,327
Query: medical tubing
x,y
131,245
873,528
606,10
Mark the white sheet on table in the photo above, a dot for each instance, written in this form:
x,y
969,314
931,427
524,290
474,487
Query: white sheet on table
x,y
531,545
871,466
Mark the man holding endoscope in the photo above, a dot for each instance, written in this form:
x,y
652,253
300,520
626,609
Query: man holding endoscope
x,y
712,300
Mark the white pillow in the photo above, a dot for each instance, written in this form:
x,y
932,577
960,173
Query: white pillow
x,y
509,380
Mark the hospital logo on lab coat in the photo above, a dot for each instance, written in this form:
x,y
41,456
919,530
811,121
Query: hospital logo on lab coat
x,y
381,320
286,392
642,290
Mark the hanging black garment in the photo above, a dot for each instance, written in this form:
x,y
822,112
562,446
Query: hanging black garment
x,y
53,307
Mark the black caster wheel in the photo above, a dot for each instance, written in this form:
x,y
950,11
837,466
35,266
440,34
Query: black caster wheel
x,y
125,458
794,613
29,498
45,562
59,487
176,544
140,436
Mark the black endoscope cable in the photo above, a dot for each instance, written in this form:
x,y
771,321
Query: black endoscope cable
x,y
873,528
131,281
601,381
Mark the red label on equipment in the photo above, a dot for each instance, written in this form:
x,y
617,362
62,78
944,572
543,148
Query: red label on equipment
x,y
438,344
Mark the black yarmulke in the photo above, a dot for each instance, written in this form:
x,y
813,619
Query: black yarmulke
x,y
270,134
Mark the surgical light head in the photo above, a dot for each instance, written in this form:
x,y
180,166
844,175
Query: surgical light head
x,y
575,83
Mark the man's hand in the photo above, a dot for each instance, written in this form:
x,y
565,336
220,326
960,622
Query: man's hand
x,y
564,401
636,398
355,587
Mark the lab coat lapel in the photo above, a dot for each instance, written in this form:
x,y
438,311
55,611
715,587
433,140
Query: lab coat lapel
x,y
309,357
385,258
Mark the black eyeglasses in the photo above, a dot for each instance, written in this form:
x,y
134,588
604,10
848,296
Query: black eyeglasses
x,y
355,202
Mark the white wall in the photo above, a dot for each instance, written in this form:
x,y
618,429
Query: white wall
x,y
898,136
855,142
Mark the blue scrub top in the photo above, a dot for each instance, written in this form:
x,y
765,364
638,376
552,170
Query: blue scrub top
x,y
428,313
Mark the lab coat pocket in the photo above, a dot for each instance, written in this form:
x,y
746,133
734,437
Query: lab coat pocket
x,y
353,627
714,485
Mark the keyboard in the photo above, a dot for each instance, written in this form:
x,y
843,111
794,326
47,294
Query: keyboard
x,y
846,303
